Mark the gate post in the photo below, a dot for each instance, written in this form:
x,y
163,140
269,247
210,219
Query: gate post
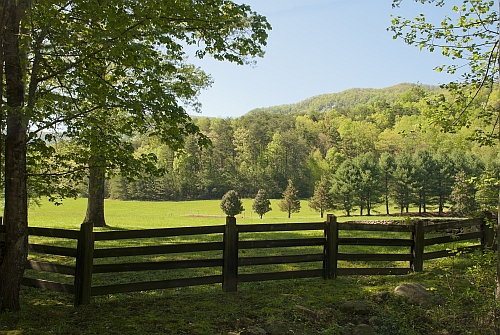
x,y
488,238
84,264
331,247
418,246
230,268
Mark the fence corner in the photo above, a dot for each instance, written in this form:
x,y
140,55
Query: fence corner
x,y
84,264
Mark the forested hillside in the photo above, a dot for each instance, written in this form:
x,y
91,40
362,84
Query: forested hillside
x,y
371,146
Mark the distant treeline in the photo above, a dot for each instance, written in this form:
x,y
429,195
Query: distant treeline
x,y
349,146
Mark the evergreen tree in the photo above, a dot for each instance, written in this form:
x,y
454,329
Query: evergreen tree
x,y
290,202
261,205
344,186
231,204
321,200
462,197
402,188
386,168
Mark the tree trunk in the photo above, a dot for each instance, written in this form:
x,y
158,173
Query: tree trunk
x,y
497,293
95,201
16,199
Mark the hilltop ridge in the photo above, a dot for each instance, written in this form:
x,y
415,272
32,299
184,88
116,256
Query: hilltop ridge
x,y
346,99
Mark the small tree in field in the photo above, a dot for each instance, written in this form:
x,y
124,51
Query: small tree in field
x,y
321,200
231,204
290,202
261,205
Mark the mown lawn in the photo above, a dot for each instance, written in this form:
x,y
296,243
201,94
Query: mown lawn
x,y
465,283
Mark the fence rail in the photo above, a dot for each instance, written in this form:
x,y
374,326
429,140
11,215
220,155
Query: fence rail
x,y
232,244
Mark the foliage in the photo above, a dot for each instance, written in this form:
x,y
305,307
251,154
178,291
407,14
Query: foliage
x,y
261,205
95,72
231,204
321,200
462,199
290,202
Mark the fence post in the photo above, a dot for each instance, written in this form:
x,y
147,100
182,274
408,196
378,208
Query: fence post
x,y
84,263
418,246
488,238
331,247
230,269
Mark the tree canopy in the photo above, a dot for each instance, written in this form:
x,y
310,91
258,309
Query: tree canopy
x,y
116,66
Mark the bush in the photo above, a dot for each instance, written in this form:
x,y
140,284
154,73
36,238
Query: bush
x,y
231,204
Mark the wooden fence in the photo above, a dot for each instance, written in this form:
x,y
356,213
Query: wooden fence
x,y
232,242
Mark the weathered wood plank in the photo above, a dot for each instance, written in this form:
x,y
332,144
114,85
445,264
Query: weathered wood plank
x,y
270,227
247,261
375,257
391,242
53,232
161,232
372,271
48,285
165,265
331,247
453,238
402,228
155,250
52,250
447,253
418,247
230,268
84,264
155,285
452,225
50,267
251,277
294,242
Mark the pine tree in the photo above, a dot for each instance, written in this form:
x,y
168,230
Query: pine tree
x,y
462,197
290,202
231,204
321,200
261,205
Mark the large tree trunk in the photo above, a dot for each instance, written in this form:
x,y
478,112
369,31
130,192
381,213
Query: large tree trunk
x,y
497,293
16,200
95,202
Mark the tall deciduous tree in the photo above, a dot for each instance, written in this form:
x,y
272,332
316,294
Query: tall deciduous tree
x,y
50,52
290,202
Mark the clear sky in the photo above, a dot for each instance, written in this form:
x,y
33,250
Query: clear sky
x,y
318,47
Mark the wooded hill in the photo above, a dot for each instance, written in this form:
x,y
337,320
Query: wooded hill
x,y
370,145
347,99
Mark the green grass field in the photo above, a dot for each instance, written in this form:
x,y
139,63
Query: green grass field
x,y
143,215
465,283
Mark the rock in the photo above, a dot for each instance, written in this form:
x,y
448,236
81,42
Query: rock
x,y
277,328
243,322
356,307
373,321
308,313
417,294
252,330
381,297
362,329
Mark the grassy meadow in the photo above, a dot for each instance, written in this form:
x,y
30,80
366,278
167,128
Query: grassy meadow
x,y
465,284
144,215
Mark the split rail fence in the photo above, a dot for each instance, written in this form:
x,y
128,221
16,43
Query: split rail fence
x,y
231,244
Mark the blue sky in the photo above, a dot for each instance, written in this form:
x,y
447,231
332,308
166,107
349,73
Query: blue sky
x,y
317,47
